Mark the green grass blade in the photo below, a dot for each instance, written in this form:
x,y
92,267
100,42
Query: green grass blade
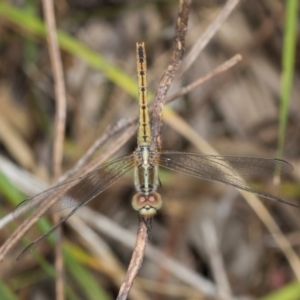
x,y
288,62
84,279
6,293
33,25
289,292
9,191
81,274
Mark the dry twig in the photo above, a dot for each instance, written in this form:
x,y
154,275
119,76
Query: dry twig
x,y
217,71
163,87
137,257
171,71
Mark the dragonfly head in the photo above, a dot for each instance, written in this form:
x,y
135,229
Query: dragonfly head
x,y
147,205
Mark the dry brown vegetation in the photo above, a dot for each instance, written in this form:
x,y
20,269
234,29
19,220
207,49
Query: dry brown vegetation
x,y
216,242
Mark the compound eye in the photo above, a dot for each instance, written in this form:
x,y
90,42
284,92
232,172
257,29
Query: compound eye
x,y
146,204
138,201
154,199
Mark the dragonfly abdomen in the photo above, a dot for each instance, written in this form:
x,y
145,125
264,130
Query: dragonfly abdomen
x,y
144,132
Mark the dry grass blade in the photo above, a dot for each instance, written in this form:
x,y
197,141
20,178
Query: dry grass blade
x,y
211,245
60,91
60,120
218,70
207,35
181,126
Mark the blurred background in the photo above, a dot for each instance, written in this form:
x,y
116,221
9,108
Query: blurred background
x,y
236,113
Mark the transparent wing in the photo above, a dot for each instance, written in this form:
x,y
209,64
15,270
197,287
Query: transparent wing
x,y
78,191
225,169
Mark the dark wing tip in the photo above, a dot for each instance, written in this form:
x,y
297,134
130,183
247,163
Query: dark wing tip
x,y
26,251
288,168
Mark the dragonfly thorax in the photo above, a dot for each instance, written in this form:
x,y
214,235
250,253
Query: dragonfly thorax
x,y
146,205
146,171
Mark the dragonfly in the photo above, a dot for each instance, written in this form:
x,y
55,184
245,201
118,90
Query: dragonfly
x,y
146,161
